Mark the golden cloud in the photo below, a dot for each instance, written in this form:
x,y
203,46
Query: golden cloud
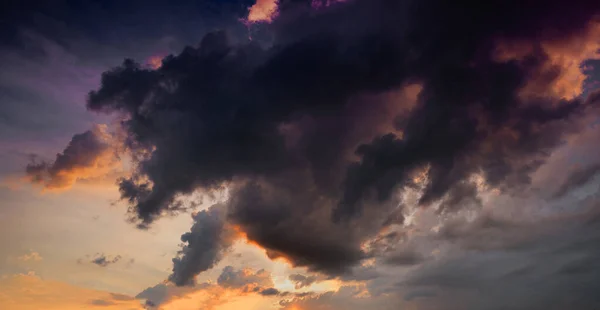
x,y
262,11
90,157
564,68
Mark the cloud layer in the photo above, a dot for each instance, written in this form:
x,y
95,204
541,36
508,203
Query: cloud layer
x,y
326,138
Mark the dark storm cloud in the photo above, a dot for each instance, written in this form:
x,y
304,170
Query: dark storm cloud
x,y
487,232
577,179
285,127
270,292
405,257
52,53
558,268
294,225
205,244
419,294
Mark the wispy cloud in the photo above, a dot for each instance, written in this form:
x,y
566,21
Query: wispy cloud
x,y
102,260
31,256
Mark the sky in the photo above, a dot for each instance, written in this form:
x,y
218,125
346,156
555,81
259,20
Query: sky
x,y
299,154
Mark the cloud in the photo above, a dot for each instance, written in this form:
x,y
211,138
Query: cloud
x,y
101,302
262,11
232,283
294,130
205,244
419,294
556,269
89,155
271,291
121,297
564,64
347,297
31,256
301,281
231,278
553,250
164,292
248,281
404,257
103,260
576,179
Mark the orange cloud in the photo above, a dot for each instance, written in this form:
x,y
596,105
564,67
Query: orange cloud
x,y
564,66
224,295
88,156
272,255
155,62
262,11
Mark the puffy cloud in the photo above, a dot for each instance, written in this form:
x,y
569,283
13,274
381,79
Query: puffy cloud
x,y
232,278
296,131
89,155
102,260
231,282
164,292
564,69
248,281
301,281
204,246
262,11
31,256
271,291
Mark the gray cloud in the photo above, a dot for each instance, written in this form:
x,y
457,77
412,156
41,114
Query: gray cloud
x,y
556,269
102,260
205,244
231,278
112,300
161,293
84,157
270,292
295,129
301,281
101,302
576,179
404,257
